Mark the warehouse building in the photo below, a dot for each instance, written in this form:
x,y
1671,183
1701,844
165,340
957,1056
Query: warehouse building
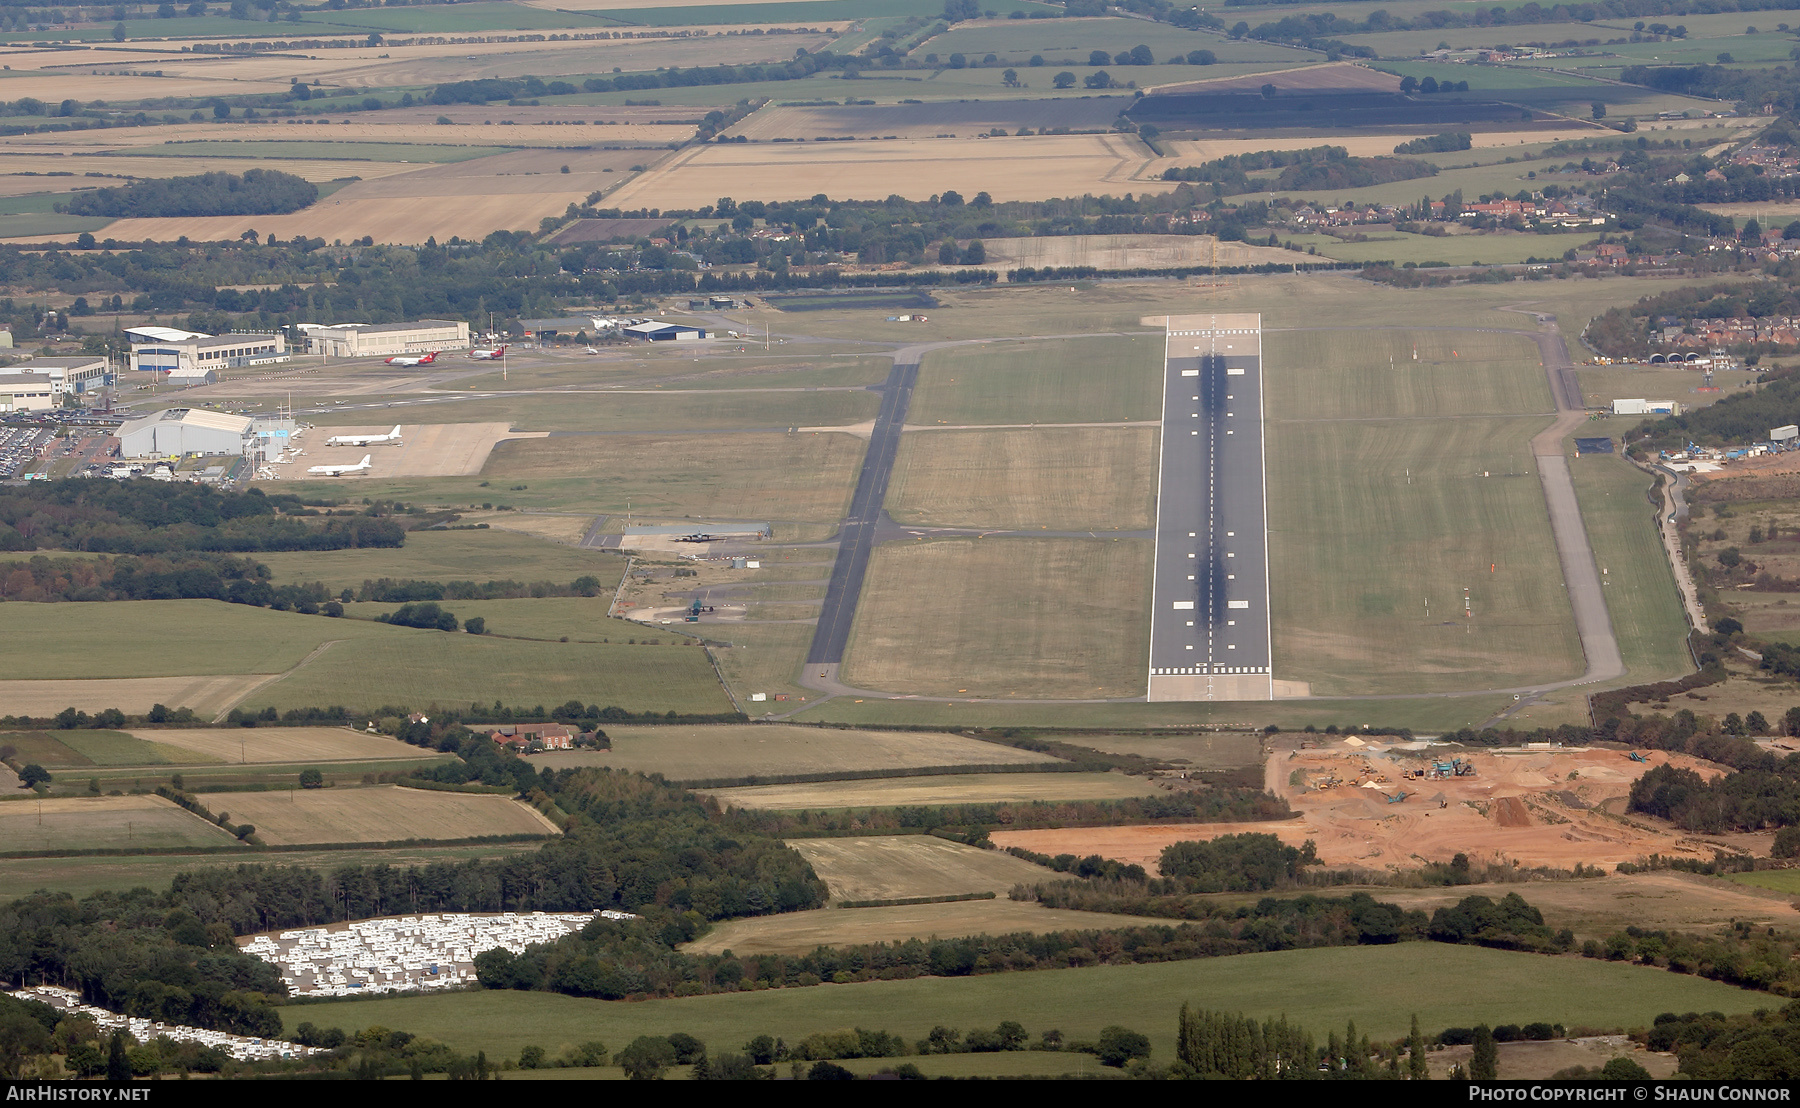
x,y
364,340
177,431
68,375
167,350
27,392
653,331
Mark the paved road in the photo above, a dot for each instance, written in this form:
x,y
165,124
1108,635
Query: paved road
x,y
856,536
1210,613
1581,575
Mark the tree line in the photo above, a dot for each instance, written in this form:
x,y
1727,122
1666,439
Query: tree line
x,y
1318,168
159,517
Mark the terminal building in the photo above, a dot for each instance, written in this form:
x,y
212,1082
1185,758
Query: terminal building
x,y
194,357
67,375
173,432
365,340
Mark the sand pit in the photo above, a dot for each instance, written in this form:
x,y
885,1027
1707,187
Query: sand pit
x,y
425,450
1558,808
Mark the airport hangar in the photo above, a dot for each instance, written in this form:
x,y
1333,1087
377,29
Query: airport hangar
x,y
1209,622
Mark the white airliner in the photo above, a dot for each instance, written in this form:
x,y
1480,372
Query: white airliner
x,y
339,471
364,440
493,355
423,359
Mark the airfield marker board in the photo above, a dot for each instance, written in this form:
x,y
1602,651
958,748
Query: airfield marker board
x,y
1209,625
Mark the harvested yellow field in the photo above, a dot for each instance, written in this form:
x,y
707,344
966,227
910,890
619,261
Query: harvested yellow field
x,y
507,192
54,85
1059,478
278,745
104,823
1031,168
135,695
407,128
949,788
804,932
889,867
1195,151
385,813
1128,251
391,66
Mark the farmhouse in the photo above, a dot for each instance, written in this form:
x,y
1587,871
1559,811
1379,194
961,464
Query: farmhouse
x,y
364,340
66,375
533,737
191,356
174,431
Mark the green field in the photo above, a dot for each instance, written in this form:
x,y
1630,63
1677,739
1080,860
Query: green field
x,y
439,668
491,555
157,638
308,149
672,411
798,12
452,19
36,214
1400,247
1785,881
1323,376
1370,522
949,788
1005,617
1423,714
1085,380
1381,988
1069,41
1640,588
579,618
80,876
103,823
1051,478
93,748
805,476
713,751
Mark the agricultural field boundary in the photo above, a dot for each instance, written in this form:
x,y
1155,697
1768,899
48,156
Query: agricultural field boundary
x,y
225,709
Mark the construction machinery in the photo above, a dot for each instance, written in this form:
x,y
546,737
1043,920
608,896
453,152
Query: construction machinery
x,y
1398,798
1635,756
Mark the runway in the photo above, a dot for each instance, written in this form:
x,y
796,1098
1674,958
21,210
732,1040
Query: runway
x,y
1209,623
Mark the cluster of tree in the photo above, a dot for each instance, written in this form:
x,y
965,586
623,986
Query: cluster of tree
x,y
386,590
1510,924
256,192
179,577
142,953
427,615
1321,167
154,517
1765,793
1236,863
1741,954
1761,1046
1436,144
1234,1047
1410,84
